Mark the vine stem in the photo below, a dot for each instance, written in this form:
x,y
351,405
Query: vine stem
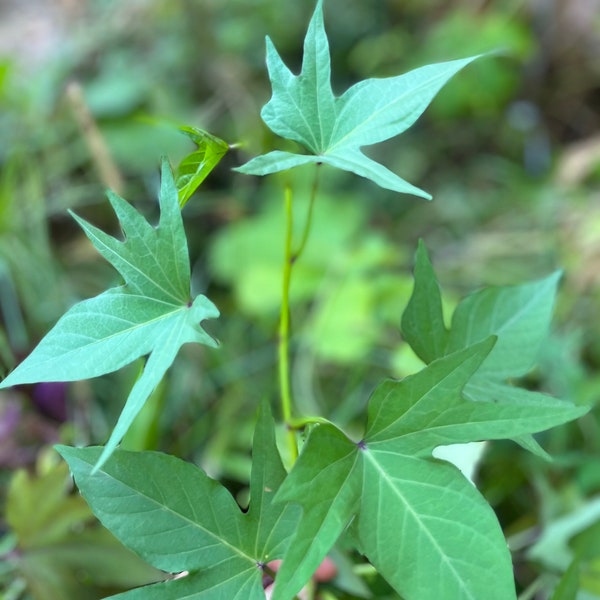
x,y
290,258
284,330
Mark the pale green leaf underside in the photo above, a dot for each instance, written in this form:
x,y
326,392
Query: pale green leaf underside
x,y
151,314
303,108
105,333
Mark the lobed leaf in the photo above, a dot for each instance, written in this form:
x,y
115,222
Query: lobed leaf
x,y
333,129
410,514
416,515
519,317
151,314
178,519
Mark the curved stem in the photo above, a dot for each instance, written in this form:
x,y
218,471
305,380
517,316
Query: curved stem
x,y
313,195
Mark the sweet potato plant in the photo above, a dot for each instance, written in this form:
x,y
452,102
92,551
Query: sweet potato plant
x,y
415,519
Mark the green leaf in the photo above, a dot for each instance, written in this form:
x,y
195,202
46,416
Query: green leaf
x,y
333,129
568,586
270,523
519,315
408,416
415,515
423,321
422,517
325,483
178,519
195,167
152,314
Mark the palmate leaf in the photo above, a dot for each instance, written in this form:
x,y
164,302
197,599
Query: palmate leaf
x,y
333,129
410,514
518,315
178,519
151,314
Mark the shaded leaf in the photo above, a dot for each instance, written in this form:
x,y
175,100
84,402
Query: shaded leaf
x,y
423,321
519,315
416,515
568,585
413,512
325,483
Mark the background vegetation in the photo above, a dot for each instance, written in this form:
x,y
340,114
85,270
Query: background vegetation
x,y
91,94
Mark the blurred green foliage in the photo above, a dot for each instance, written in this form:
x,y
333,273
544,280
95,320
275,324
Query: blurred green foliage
x,y
510,152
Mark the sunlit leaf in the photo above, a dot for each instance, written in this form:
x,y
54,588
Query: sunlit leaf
x,y
195,167
333,129
151,314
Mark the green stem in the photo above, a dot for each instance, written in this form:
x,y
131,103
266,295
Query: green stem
x,y
284,320
284,331
313,195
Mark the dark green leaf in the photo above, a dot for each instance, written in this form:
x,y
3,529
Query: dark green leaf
x,y
519,315
325,483
429,532
423,321
178,519
568,586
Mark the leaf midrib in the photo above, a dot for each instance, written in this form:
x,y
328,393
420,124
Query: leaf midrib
x,y
384,475
374,115
123,258
103,340
195,524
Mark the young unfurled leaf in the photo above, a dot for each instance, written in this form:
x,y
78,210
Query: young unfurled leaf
x,y
151,314
178,519
333,129
195,167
